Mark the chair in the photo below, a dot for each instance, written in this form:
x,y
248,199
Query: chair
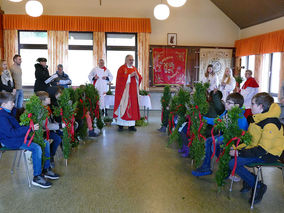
x,y
22,152
259,175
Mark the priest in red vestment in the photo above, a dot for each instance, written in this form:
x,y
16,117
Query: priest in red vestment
x,y
126,105
249,89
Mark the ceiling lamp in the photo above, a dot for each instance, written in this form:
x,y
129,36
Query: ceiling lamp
x,y
161,11
34,8
15,0
176,3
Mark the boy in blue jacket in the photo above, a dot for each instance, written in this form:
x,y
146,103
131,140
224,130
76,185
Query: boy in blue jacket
x,y
12,136
234,99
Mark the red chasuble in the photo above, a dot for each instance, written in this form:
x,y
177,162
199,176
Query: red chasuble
x,y
250,82
126,94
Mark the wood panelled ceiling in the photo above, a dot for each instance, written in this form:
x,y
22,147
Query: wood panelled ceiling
x,y
246,13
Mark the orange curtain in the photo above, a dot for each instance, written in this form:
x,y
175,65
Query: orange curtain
x,y
10,45
258,68
99,47
143,58
76,23
57,49
281,78
261,44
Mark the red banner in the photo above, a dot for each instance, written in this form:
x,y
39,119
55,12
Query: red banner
x,y
169,65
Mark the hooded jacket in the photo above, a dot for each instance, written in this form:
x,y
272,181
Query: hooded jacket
x,y
267,139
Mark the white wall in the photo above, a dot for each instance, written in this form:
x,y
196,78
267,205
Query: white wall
x,y
198,22
270,26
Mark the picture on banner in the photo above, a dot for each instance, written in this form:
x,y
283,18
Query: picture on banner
x,y
169,66
219,58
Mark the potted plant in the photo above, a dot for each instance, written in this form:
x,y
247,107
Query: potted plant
x,y
107,121
143,92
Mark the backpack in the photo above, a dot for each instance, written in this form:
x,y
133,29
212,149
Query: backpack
x,y
277,122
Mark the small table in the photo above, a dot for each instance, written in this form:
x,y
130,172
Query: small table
x,y
145,102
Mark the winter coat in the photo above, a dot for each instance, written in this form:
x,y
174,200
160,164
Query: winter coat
x,y
41,75
12,135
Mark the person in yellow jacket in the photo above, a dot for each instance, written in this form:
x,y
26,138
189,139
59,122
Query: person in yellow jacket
x,y
267,142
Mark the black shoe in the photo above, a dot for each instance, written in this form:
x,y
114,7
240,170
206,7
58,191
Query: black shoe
x,y
260,190
120,128
162,129
92,134
41,182
48,173
132,129
246,187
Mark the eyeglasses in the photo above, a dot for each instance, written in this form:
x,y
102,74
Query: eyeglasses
x,y
229,102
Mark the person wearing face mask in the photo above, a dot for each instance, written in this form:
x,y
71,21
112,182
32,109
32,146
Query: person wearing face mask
x,y
41,75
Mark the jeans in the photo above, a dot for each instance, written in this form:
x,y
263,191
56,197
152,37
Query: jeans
x,y
37,156
247,177
209,150
56,142
19,98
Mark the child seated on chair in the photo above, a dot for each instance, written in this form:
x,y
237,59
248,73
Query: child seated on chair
x,y
234,99
51,126
12,136
267,142
215,109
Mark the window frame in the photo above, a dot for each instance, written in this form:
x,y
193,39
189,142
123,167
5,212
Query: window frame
x,y
123,48
31,47
80,47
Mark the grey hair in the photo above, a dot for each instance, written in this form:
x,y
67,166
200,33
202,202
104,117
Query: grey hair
x,y
60,66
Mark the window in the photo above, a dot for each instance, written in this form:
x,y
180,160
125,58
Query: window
x,y
274,73
80,57
265,73
32,45
119,45
251,61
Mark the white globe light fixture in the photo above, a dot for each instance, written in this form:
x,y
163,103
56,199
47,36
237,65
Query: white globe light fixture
x,y
34,8
176,3
161,12
15,0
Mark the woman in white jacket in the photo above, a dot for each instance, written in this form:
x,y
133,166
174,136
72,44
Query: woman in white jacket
x,y
211,78
228,83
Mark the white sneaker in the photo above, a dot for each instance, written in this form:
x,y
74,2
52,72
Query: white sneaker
x,y
235,178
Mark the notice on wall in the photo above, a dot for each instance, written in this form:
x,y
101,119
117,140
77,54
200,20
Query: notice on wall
x,y
169,66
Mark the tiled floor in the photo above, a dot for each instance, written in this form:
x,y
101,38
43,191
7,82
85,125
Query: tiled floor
x,y
129,172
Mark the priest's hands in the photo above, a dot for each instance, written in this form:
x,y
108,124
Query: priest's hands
x,y
134,74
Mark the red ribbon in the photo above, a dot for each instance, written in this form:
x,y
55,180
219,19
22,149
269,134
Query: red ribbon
x,y
201,125
84,110
28,132
97,110
46,129
213,141
70,130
